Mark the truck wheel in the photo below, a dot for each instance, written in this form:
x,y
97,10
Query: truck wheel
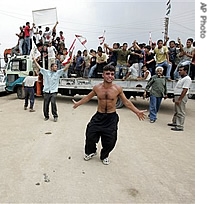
x,y
119,103
20,92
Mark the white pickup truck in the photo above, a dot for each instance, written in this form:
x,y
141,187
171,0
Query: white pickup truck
x,y
19,67
81,86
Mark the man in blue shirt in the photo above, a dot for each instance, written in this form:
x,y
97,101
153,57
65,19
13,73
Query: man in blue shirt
x,y
79,64
51,80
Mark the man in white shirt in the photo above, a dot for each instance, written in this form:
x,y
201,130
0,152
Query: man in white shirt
x,y
47,35
28,84
132,73
51,50
180,98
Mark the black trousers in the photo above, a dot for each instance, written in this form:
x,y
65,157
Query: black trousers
x,y
192,71
29,95
104,126
50,98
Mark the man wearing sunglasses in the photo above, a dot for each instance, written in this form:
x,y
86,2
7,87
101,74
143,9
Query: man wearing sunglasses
x,y
104,123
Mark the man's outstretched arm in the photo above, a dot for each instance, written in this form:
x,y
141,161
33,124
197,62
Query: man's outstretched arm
x,y
83,100
129,104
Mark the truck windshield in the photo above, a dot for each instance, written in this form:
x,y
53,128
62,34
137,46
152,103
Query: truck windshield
x,y
17,65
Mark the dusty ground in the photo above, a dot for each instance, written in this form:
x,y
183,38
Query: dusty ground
x,y
42,161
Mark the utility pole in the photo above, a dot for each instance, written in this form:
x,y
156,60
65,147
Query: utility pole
x,y
166,28
166,23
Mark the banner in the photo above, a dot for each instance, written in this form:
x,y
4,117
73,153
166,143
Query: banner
x,y
45,16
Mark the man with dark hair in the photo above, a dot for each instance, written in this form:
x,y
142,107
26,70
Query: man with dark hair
x,y
122,59
51,80
112,56
47,35
186,55
79,64
20,40
173,58
28,84
162,58
149,60
104,123
180,99
101,61
27,38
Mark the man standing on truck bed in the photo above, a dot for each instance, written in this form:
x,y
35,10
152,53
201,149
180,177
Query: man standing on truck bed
x,y
104,123
51,80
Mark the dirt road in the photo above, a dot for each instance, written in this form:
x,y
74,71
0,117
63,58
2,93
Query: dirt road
x,y
42,161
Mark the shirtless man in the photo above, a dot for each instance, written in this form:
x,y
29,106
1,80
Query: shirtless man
x,y
104,123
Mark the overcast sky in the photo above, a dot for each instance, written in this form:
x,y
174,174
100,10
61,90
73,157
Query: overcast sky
x,y
123,21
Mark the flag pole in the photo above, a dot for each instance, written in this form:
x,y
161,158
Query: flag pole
x,y
104,33
103,39
72,44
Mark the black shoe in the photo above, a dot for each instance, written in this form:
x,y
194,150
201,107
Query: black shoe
x,y
55,119
176,129
171,124
46,119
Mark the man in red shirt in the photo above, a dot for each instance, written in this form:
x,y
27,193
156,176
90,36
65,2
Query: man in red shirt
x,y
27,39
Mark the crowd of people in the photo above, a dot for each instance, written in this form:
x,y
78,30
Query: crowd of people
x,y
104,123
136,62
156,63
